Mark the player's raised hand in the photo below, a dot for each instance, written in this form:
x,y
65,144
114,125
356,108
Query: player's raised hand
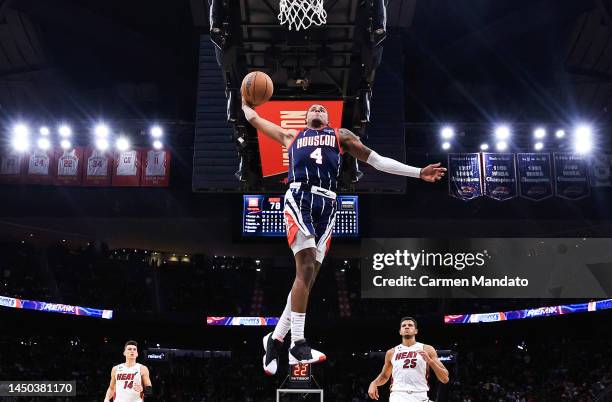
x,y
425,356
373,391
433,172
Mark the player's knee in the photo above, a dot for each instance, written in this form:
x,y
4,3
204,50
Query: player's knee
x,y
306,272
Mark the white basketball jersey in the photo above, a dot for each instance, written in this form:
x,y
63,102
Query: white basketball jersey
x,y
409,369
10,164
125,378
126,165
97,164
39,164
67,164
156,163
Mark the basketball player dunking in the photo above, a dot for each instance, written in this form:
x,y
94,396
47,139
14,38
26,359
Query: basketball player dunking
x,y
310,210
130,381
407,364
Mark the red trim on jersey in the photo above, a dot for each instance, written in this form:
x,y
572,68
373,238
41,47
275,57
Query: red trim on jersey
x,y
292,228
294,138
338,140
328,243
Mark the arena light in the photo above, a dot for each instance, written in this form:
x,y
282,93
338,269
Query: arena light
x,y
21,143
560,133
446,145
65,131
122,144
484,146
447,133
583,141
44,143
539,133
156,131
101,130
44,130
538,146
502,132
65,144
157,144
21,130
102,144
501,145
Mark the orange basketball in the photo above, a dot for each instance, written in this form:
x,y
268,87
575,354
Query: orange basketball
x,y
257,88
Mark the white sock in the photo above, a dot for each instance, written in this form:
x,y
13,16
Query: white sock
x,y
297,326
284,323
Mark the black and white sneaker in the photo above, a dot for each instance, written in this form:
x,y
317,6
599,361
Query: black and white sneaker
x,y
302,353
273,348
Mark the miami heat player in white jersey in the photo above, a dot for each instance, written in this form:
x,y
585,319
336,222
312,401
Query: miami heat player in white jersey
x,y
409,373
126,377
408,366
130,381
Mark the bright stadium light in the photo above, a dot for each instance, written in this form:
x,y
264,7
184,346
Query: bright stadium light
x,y
157,144
21,143
64,131
21,130
446,145
44,130
102,144
501,145
447,133
65,144
122,144
502,132
484,146
101,130
539,133
44,143
583,141
560,133
156,132
538,146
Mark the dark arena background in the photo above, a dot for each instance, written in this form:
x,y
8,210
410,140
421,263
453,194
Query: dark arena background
x,y
138,203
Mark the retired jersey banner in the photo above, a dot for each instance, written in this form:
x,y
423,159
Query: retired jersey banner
x,y
571,176
599,170
97,168
69,167
156,169
11,166
499,176
40,166
535,175
126,171
464,176
290,115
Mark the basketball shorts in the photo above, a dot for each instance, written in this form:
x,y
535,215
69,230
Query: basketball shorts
x,y
309,219
401,396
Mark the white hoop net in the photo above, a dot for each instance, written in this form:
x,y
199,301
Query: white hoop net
x,y
301,14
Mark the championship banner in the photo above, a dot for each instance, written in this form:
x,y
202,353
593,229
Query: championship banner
x,y
69,167
290,115
40,166
156,169
535,175
571,176
499,176
599,170
97,168
11,166
464,180
126,171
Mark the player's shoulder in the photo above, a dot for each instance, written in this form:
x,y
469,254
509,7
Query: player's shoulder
x,y
390,352
428,347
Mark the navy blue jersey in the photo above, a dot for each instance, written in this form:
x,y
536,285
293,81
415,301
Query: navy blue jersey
x,y
314,158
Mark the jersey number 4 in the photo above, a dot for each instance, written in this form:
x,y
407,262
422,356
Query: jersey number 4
x,y
316,155
410,363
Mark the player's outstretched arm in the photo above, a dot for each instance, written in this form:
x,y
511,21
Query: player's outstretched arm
x,y
383,377
274,131
430,355
111,387
353,145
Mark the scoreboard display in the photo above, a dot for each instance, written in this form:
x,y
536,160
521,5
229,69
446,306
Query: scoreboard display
x,y
262,215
